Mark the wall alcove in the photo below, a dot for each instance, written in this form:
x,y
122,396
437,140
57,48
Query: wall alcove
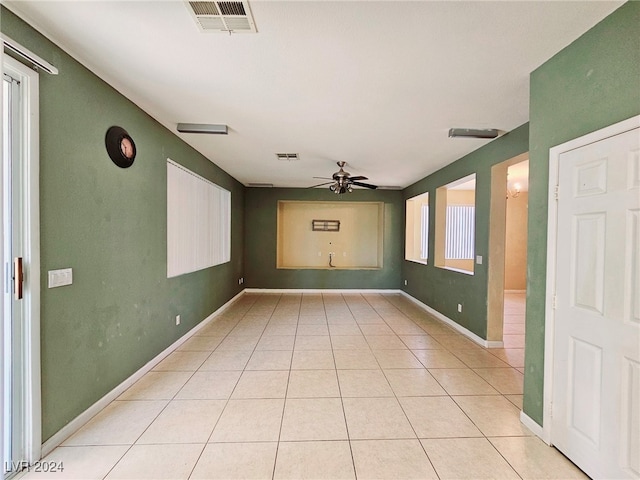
x,y
357,244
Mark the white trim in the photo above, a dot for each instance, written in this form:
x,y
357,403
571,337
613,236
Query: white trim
x,y
431,311
3,460
466,332
532,425
319,290
75,424
30,148
28,55
552,227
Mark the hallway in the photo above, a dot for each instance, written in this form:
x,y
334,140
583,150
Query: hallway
x,y
318,386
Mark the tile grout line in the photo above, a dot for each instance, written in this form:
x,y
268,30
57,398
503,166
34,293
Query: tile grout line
x,y
284,403
409,421
159,413
344,413
226,401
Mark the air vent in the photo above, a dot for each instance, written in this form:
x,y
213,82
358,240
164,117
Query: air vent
x,y
260,185
231,17
288,157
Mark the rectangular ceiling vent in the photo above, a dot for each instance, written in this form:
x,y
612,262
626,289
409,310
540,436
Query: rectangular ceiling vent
x,y
288,157
230,17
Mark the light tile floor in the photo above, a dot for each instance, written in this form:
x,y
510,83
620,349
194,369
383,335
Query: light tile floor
x,y
319,387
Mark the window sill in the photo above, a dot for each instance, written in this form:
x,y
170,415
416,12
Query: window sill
x,y
421,262
457,270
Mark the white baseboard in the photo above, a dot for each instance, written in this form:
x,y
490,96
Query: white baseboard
x,y
537,430
319,290
466,332
74,425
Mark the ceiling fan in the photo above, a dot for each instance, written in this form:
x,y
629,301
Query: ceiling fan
x,y
343,182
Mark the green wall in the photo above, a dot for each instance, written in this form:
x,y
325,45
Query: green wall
x,y
261,215
443,289
109,225
592,83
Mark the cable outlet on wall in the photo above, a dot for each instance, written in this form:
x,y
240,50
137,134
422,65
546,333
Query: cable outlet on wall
x,y
459,308
177,319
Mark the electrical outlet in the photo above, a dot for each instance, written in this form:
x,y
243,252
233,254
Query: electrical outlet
x,y
177,319
405,283
459,308
240,280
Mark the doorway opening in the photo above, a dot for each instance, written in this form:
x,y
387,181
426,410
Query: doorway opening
x,y
515,268
508,258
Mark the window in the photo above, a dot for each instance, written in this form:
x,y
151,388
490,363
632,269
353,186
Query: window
x,y
198,222
460,232
417,229
455,225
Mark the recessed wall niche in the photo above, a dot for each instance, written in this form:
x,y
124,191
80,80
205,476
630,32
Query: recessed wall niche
x,y
356,245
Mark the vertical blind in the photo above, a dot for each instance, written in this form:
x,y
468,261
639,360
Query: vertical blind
x,y
460,232
198,222
424,233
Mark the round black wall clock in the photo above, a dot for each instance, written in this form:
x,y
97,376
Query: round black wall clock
x,y
120,147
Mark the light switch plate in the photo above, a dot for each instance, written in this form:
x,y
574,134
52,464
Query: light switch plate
x,y
60,278
479,259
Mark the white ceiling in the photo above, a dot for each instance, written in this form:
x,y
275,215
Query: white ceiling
x,y
376,84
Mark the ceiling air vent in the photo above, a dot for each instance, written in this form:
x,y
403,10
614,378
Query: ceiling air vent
x,y
231,17
287,157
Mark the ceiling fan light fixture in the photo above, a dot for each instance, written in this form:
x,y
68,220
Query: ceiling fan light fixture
x,y
474,133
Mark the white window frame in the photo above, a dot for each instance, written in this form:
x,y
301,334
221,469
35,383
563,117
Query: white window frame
x,y
417,228
32,427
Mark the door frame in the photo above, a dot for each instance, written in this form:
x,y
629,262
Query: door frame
x,y
30,135
552,233
497,253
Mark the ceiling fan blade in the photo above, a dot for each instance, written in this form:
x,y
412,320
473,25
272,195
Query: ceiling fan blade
x,y
366,185
320,184
359,177
324,178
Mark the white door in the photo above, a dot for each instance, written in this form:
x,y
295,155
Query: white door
x,y
596,360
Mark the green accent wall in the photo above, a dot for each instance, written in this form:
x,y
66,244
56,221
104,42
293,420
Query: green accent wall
x,y
261,213
443,289
592,83
109,225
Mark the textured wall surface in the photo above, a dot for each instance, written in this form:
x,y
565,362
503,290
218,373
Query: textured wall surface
x,y
109,225
592,83
261,211
443,289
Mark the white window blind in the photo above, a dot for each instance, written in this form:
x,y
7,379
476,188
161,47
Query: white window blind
x,y
424,233
198,222
460,232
